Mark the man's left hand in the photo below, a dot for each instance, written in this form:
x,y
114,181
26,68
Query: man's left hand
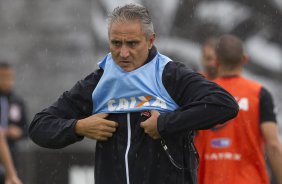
x,y
150,125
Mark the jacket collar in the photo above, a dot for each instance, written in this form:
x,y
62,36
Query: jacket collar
x,y
152,53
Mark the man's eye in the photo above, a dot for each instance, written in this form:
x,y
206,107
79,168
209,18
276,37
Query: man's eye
x,y
116,43
132,44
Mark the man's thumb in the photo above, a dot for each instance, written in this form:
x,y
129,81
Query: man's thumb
x,y
142,124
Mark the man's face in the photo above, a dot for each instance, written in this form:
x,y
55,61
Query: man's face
x,y
129,45
6,79
209,61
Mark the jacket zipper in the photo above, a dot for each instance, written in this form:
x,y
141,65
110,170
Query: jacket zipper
x,y
128,147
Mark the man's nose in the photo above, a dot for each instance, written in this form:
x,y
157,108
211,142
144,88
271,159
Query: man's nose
x,y
124,51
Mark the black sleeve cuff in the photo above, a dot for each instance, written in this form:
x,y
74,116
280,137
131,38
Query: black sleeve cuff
x,y
73,135
161,125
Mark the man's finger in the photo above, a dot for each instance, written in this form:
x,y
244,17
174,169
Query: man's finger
x,y
101,138
107,134
154,112
102,115
109,129
107,122
152,116
110,123
155,137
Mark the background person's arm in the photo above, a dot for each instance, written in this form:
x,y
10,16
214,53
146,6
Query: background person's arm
x,y
10,171
14,132
269,129
273,148
203,104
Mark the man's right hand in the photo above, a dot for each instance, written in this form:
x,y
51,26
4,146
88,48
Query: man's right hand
x,y
96,127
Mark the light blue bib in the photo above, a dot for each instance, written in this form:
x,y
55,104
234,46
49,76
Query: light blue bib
x,y
142,89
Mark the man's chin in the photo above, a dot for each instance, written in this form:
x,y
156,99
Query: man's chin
x,y
126,67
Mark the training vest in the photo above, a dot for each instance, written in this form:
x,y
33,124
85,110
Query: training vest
x,y
142,89
233,152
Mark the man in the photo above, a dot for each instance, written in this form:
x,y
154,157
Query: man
x,y
11,174
234,153
208,58
140,107
12,111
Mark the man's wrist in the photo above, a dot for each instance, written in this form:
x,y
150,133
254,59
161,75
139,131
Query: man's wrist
x,y
78,128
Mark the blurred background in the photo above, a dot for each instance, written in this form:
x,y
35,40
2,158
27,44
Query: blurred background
x,y
54,43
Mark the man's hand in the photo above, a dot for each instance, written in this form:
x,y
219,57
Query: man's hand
x,y
12,180
150,125
96,127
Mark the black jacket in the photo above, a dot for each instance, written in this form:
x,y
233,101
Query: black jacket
x,y
203,104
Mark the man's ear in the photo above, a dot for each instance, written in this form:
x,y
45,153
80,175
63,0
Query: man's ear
x,y
245,59
152,40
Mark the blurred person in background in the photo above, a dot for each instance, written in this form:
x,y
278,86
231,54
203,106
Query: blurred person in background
x,y
151,104
208,58
12,112
6,159
234,152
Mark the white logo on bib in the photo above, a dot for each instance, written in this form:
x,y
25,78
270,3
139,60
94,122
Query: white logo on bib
x,y
135,102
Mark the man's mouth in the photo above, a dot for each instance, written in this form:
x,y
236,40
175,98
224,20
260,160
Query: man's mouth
x,y
124,62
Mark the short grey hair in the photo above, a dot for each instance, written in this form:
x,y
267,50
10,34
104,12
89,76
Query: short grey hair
x,y
132,12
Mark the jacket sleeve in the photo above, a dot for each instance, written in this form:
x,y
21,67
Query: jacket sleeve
x,y
266,107
54,126
202,103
